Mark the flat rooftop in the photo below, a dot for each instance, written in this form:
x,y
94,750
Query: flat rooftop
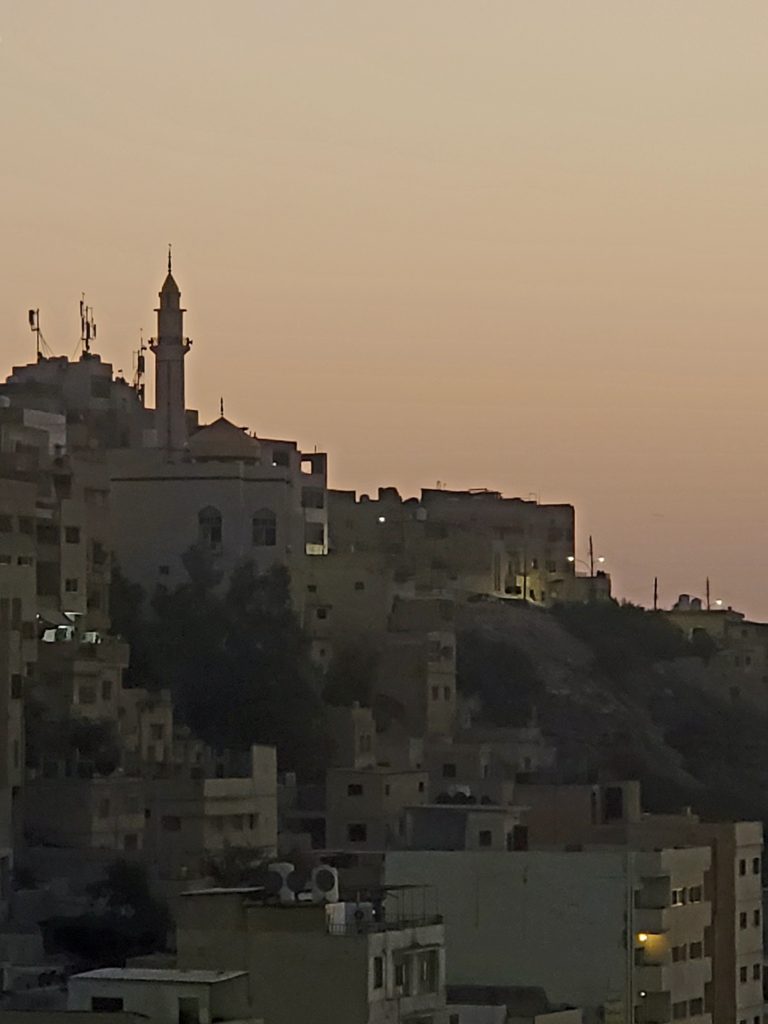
x,y
146,974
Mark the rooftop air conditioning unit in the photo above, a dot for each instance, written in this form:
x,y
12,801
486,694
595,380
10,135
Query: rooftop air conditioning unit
x,y
325,884
282,882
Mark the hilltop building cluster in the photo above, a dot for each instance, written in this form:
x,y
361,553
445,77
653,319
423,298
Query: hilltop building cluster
x,y
443,872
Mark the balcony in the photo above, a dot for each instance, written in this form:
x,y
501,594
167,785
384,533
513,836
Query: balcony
x,y
653,920
653,977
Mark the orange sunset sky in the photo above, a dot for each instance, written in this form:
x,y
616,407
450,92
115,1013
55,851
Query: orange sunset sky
x,y
520,245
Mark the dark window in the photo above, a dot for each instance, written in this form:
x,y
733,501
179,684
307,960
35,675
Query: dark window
x,y
209,527
106,1004
742,920
6,524
484,837
281,457
164,570
449,771
47,533
106,689
613,803
354,789
421,787
756,918
26,524
322,613
742,867
743,975
679,1011
264,528
755,865
695,951
520,837
171,823
312,497
694,894
314,533
378,972
757,972
131,841
359,585
357,833
71,585
695,1007
189,1010
72,534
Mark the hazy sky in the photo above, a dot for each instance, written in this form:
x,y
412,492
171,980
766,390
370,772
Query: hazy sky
x,y
521,245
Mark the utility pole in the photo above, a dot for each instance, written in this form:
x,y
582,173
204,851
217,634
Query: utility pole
x,y
707,593
591,558
655,593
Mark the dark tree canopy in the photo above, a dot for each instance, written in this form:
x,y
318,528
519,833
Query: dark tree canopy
x,y
235,659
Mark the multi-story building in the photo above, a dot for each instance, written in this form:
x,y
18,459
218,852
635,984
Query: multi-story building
x,y
192,822
364,807
618,932
612,815
462,542
465,826
100,813
343,963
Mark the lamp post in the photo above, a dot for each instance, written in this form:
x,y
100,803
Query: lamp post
x,y
591,563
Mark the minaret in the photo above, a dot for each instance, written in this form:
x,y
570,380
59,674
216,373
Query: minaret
x,y
169,348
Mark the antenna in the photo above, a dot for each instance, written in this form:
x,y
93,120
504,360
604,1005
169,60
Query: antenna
x,y
221,407
40,342
139,361
169,257
87,326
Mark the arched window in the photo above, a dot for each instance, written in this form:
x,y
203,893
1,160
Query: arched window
x,y
209,527
264,528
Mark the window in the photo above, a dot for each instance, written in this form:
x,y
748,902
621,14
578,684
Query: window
x,y
314,533
357,833
5,559
679,1011
156,730
678,897
742,920
237,822
756,972
378,972
209,527
679,954
355,789
359,585
694,894
421,787
742,867
695,1007
387,790
312,497
86,695
449,771
72,534
400,975
171,823
26,524
131,841
447,692
189,1010
71,585
104,808
106,1004
322,613
484,837
695,951
25,560
755,865
253,821
264,528
6,524
312,588
743,974
428,971
164,570
47,533
106,689
756,918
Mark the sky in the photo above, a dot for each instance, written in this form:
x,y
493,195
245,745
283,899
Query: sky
x,y
494,243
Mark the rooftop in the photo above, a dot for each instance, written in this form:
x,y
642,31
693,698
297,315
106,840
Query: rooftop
x,y
145,974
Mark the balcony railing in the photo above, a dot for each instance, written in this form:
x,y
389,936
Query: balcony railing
x,y
371,926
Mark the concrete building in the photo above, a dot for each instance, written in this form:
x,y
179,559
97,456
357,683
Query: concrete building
x,y
620,933
191,822
335,964
364,807
476,1004
97,813
465,826
163,996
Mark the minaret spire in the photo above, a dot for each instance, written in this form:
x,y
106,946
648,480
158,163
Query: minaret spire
x,y
169,348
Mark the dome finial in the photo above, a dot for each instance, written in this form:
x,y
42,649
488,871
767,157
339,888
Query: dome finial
x,y
221,406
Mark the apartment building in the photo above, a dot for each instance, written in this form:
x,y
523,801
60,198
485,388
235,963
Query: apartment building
x,y
342,963
618,932
465,826
191,822
100,813
611,814
364,807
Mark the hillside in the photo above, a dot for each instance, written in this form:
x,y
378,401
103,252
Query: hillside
x,y
615,688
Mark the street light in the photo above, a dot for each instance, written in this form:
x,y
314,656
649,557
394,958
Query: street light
x,y
591,564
